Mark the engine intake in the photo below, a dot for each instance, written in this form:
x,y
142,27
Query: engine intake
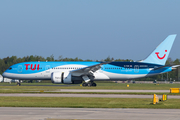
x,y
61,77
65,77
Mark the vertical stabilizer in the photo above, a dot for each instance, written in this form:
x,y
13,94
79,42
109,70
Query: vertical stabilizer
x,y
161,53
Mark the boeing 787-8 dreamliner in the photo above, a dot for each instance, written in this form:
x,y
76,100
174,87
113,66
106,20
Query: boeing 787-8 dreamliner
x,y
89,72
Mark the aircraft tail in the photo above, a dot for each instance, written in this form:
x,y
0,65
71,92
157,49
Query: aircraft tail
x,y
161,53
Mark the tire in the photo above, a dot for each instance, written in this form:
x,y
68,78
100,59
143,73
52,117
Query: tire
x,y
84,84
89,84
94,84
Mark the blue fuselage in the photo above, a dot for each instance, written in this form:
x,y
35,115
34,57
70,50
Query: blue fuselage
x,y
110,71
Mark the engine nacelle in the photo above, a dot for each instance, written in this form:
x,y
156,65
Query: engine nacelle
x,y
61,77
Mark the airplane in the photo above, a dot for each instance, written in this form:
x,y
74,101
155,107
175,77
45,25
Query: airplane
x,y
89,72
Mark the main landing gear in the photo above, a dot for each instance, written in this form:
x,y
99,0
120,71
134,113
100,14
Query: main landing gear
x,y
18,84
89,84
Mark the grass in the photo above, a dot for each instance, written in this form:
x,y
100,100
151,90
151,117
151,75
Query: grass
x,y
87,102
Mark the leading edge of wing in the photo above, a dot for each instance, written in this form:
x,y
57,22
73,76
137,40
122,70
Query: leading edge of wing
x,y
86,70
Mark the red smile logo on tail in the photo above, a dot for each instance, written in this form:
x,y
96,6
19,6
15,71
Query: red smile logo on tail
x,y
157,53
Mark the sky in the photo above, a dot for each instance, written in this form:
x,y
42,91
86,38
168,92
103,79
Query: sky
x,y
87,29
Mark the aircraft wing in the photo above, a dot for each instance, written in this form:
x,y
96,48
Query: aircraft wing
x,y
88,70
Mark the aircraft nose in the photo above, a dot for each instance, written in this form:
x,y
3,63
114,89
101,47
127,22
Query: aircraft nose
x,y
4,74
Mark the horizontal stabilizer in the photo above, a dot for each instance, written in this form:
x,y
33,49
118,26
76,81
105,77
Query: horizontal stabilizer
x,y
173,66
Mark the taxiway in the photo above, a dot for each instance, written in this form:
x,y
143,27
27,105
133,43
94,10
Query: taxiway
x,y
87,95
26,113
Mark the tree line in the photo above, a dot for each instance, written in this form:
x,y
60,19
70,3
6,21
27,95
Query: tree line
x,y
5,63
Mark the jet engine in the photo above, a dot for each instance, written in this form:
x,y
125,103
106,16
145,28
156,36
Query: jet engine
x,y
65,77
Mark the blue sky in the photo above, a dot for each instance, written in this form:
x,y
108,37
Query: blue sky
x,y
87,29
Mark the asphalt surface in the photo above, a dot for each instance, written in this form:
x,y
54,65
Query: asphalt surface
x,y
25,113
85,90
87,95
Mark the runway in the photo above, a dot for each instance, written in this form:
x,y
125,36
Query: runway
x,y
96,90
25,113
87,95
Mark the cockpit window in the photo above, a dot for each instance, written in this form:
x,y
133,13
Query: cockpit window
x,y
10,68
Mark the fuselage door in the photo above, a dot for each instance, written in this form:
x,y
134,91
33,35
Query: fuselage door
x,y
136,68
20,68
47,68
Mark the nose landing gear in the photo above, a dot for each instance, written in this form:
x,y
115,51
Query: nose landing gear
x,y
18,84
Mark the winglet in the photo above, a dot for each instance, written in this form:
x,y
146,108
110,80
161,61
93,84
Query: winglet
x,y
161,53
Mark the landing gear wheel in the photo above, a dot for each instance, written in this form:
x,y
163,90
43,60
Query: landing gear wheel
x,y
89,84
84,84
94,84
19,84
